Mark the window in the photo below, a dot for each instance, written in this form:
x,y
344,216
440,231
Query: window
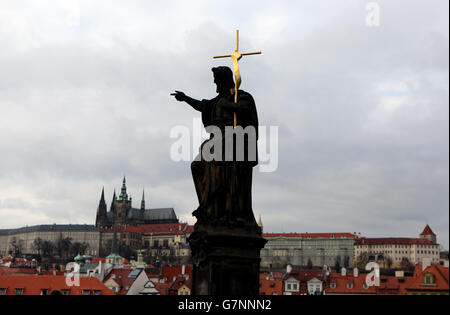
x,y
65,292
289,287
97,292
333,285
44,292
86,292
19,291
350,286
2,291
429,279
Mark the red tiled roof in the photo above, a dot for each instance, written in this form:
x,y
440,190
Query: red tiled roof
x,y
157,229
190,229
131,229
347,285
33,285
269,235
306,275
178,283
51,273
310,235
390,285
392,240
164,229
428,231
121,278
270,287
163,288
440,273
170,272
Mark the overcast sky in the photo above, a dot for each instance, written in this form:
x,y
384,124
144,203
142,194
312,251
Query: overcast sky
x,y
363,112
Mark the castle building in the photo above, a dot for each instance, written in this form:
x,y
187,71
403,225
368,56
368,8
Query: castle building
x,y
299,249
122,213
400,250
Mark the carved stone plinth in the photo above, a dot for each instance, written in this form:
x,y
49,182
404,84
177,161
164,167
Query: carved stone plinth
x,y
226,260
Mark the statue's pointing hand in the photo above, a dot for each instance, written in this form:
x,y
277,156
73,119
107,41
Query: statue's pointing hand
x,y
179,96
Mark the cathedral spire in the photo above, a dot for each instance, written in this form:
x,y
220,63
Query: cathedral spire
x,y
143,200
102,198
101,211
123,194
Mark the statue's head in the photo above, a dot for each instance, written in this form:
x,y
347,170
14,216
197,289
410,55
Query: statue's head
x,y
223,78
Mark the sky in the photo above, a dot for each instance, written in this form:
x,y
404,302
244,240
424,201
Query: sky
x,y
362,111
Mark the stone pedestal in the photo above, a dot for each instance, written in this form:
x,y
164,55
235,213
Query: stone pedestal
x,y
226,260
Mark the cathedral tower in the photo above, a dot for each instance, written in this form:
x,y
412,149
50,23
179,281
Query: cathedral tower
x,y
101,220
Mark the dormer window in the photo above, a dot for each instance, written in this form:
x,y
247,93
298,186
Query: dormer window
x,y
429,278
350,286
333,285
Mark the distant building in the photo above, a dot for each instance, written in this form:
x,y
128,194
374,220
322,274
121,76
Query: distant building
x,y
123,214
304,282
99,237
318,249
398,251
25,237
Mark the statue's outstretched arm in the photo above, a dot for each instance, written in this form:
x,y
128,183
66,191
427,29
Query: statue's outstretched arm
x,y
181,97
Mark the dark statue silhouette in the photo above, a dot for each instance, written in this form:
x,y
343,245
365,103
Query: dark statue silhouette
x,y
227,241
224,188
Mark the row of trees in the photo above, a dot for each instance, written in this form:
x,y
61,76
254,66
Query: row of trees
x,y
385,261
62,248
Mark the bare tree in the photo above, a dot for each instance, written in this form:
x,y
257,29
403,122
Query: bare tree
x,y
48,249
362,260
78,248
37,245
63,246
337,263
389,262
406,264
16,247
309,264
347,262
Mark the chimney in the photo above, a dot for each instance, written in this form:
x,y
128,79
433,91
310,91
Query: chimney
x,y
183,269
288,269
399,274
343,272
355,272
446,264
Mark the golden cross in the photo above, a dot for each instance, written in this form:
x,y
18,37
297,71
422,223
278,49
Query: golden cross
x,y
235,57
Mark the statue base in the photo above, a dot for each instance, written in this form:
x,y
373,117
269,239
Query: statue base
x,y
226,259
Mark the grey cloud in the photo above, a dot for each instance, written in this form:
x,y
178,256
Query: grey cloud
x,y
82,106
